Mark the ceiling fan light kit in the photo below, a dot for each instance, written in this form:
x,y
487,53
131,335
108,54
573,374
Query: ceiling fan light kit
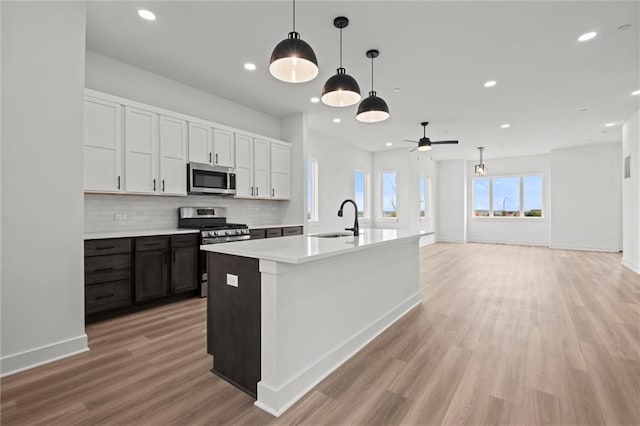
x,y
341,89
424,144
373,108
480,169
293,60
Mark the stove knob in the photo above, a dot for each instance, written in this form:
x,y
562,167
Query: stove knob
x,y
216,233
238,231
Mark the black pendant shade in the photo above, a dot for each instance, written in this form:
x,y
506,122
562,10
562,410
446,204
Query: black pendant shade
x,y
341,90
293,60
373,108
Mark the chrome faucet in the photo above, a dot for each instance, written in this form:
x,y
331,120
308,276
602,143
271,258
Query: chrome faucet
x,y
356,227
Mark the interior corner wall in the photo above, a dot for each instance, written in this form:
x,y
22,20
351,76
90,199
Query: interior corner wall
x,y
586,197
451,224
293,129
512,230
337,162
631,194
43,47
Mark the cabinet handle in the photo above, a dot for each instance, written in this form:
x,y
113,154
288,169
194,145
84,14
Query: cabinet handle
x,y
273,192
154,184
252,191
209,157
257,191
105,248
162,185
216,158
105,296
118,182
103,270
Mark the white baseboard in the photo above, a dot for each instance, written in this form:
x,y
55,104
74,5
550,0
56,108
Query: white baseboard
x,y
631,265
277,401
427,240
583,248
26,360
446,240
513,243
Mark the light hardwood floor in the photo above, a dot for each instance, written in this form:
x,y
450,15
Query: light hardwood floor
x,y
505,335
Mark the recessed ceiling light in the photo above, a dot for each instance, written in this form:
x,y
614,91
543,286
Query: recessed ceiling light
x,y
505,126
146,14
609,124
336,120
635,93
396,90
249,66
315,100
587,36
388,143
624,27
490,83
583,110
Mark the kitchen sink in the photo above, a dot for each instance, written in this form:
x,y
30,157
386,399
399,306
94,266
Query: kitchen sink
x,y
333,235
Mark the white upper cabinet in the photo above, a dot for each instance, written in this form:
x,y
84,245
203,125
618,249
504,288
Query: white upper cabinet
x,y
141,151
222,148
102,146
280,171
244,166
200,143
173,155
261,169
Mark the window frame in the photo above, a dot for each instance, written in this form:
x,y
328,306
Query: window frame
x,y
312,216
380,207
427,198
366,215
521,184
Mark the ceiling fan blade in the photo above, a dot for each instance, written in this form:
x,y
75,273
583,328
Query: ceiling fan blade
x,y
413,149
443,142
409,140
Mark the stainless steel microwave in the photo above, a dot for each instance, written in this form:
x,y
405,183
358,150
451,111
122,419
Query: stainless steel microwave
x,y
207,179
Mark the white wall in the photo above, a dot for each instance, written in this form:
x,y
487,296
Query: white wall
x,y
337,162
586,197
118,78
42,213
631,195
452,201
527,231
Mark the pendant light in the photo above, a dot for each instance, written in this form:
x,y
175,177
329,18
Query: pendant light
x,y
341,90
372,109
480,169
293,60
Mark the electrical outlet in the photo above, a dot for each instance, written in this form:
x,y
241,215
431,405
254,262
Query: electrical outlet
x,y
232,280
120,216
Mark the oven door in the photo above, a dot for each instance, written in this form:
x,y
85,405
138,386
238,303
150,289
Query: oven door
x,y
205,179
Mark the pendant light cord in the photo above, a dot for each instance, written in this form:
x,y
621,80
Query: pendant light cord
x,y
372,74
340,47
294,16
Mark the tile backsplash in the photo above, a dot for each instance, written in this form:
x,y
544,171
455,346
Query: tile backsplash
x,y
113,212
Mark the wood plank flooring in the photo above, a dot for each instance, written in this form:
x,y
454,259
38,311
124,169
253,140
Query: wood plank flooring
x,y
505,335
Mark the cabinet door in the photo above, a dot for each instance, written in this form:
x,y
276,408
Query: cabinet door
x,y
280,171
173,150
102,146
244,166
141,146
200,143
261,169
184,269
151,274
222,148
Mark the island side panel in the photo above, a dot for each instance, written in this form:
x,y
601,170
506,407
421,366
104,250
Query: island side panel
x,y
233,320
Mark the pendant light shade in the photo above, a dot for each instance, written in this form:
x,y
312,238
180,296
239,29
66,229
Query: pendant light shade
x,y
480,169
373,108
293,60
341,90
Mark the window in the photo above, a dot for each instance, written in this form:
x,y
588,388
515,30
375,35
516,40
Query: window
x,y
508,196
389,195
361,191
312,190
424,197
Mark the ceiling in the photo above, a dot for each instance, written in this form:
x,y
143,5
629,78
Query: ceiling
x,y
553,91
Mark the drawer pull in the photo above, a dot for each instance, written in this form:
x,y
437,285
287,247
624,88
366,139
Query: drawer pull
x,y
105,248
105,296
103,270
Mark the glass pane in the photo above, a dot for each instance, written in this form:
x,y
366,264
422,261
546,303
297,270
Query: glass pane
x,y
423,196
389,195
359,178
506,196
309,188
532,195
481,197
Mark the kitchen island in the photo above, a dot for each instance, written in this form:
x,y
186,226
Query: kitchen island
x,y
284,313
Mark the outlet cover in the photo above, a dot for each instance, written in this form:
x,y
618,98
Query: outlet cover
x,y
232,280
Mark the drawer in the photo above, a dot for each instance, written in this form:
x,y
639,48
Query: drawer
x,y
292,230
105,296
184,240
274,232
110,246
256,234
113,267
152,243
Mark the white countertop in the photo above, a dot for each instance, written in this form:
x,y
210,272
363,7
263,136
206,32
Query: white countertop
x,y
137,233
273,226
306,248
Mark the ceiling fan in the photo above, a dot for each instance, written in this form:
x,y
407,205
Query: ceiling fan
x,y
424,144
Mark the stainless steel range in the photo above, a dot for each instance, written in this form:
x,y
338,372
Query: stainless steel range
x,y
213,226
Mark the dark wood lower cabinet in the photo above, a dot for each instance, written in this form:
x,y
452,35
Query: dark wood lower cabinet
x,y
184,269
151,274
233,320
